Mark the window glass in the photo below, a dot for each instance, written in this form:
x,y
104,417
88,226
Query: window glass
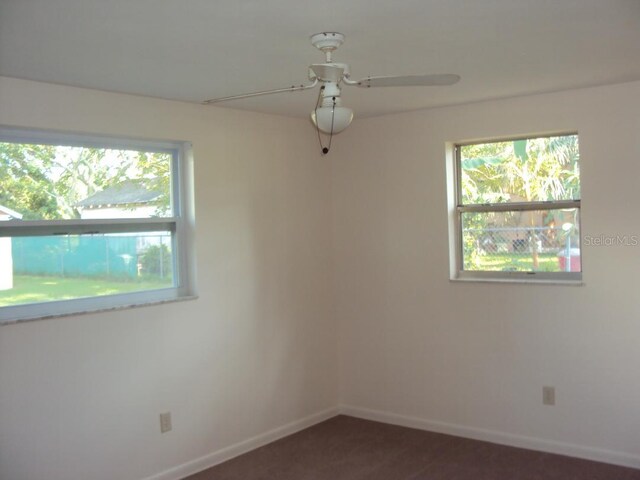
x,y
62,267
526,170
521,241
87,224
518,209
54,182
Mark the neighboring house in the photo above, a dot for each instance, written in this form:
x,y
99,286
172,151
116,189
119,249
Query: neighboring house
x,y
124,200
6,258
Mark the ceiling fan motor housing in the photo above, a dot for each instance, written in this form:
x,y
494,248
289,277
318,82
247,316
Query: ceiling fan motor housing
x,y
329,72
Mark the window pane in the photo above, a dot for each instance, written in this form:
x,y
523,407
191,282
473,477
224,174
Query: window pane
x,y
523,241
530,170
61,267
47,182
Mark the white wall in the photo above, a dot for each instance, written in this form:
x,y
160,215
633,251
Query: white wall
x,y
472,358
80,395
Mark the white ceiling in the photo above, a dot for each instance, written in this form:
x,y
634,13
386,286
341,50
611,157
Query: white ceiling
x,y
192,50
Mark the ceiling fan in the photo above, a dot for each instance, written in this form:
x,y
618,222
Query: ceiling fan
x,y
329,116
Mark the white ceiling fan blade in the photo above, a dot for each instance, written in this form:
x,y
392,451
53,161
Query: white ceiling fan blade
x,y
410,80
293,88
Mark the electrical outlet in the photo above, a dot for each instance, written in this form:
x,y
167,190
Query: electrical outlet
x,y
165,422
548,395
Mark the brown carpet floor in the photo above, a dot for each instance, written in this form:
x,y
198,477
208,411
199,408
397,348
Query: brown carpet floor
x,y
347,448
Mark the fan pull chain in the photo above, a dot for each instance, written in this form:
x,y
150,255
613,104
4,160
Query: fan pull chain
x,y
326,149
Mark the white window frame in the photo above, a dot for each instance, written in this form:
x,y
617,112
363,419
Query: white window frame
x,y
455,220
176,224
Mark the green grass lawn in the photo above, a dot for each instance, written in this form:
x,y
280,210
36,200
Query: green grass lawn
x,y
514,262
34,288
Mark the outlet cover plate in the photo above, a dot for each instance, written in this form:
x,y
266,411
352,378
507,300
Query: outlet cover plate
x,y
165,422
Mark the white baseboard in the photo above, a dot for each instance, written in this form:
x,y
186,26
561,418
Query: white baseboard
x,y
551,446
227,453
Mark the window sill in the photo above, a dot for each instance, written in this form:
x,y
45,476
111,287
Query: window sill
x,y
98,310
528,281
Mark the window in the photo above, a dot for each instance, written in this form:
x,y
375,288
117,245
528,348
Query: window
x,y
517,212
89,223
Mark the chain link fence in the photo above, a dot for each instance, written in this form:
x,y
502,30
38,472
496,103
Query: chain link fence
x,y
521,249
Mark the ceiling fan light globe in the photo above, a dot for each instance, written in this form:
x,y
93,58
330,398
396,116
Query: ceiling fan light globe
x,y
324,117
